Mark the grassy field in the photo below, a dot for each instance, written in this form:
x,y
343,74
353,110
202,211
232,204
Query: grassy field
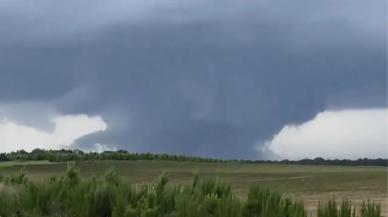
x,y
310,183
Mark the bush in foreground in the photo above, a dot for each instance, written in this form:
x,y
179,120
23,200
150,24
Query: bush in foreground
x,y
71,196
331,209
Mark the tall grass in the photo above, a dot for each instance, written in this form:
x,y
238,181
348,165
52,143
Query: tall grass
x,y
110,196
346,209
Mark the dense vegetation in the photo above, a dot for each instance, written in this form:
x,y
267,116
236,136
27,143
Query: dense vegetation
x,y
76,155
71,196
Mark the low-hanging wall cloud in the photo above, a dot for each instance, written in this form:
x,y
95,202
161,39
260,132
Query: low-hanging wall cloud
x,y
202,78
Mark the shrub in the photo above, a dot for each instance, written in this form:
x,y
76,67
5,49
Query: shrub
x,y
71,196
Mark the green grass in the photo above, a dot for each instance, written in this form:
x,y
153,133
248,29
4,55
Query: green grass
x,y
22,163
346,209
285,178
69,195
310,183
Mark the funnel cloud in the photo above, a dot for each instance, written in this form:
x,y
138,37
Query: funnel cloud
x,y
214,79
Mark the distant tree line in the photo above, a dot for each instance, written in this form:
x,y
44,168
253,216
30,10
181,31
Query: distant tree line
x,y
358,162
78,155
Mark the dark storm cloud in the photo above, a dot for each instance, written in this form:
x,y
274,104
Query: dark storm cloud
x,y
196,77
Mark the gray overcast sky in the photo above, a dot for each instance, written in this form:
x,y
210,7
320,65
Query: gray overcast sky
x,y
211,78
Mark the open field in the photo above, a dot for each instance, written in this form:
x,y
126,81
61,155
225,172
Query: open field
x,y
310,183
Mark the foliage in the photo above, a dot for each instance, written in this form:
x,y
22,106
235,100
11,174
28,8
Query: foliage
x,y
78,155
331,209
109,196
